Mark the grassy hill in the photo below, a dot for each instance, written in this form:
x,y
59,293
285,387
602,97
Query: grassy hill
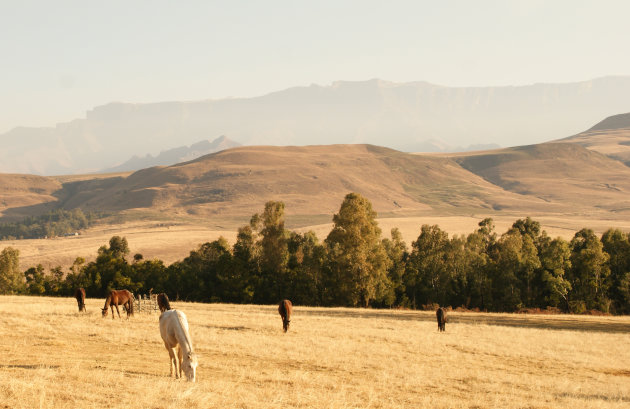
x,y
563,174
312,181
610,137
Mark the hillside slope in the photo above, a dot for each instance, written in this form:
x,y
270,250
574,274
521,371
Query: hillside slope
x,y
570,174
310,180
610,137
551,178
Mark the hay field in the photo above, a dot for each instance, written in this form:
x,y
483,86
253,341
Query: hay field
x,y
54,357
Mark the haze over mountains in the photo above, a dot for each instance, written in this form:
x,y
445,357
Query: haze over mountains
x,y
409,117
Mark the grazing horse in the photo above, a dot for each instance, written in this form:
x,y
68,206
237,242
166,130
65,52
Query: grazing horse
x,y
174,332
441,318
285,309
162,300
79,294
116,298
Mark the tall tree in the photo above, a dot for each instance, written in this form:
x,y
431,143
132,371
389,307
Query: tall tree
x,y
516,261
589,272
11,280
245,265
555,260
428,273
274,253
306,259
35,280
358,261
479,245
617,245
397,253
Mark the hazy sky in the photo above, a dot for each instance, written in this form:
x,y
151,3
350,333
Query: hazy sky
x,y
61,58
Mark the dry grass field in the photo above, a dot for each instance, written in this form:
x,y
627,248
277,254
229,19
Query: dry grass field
x,y
54,357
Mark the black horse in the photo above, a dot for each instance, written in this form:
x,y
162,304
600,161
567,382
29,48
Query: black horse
x,y
441,318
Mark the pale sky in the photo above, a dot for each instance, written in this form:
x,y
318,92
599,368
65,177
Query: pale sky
x,y
59,59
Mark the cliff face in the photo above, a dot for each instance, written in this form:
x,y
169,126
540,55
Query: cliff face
x,y
410,117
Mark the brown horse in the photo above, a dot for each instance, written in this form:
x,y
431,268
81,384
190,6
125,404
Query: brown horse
x,y
441,319
285,308
162,300
79,294
116,298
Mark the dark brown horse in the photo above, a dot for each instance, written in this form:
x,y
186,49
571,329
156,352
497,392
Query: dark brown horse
x,y
116,298
441,318
285,309
162,300
79,294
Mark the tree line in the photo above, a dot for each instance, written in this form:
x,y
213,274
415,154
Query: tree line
x,y
355,266
51,224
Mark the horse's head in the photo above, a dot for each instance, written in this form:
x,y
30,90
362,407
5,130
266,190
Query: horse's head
x,y
104,312
285,324
190,366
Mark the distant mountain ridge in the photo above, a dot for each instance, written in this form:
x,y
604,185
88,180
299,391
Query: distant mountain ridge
x,y
175,155
409,117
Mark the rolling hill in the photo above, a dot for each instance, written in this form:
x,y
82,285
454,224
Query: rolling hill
x,y
610,137
549,178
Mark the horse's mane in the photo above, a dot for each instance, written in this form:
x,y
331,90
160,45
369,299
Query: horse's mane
x,y
163,302
184,326
179,324
108,300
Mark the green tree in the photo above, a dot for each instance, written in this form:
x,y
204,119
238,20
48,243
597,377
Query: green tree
x,y
516,260
54,282
306,259
617,245
35,280
76,278
118,247
589,272
358,261
110,270
428,275
555,260
397,253
245,265
478,247
11,280
274,253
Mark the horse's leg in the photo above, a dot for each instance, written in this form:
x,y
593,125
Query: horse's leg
x,y
180,357
172,360
118,311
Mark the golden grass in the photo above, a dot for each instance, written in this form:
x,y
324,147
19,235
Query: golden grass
x,y
54,357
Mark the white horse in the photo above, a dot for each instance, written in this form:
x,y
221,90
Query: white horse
x,y
174,331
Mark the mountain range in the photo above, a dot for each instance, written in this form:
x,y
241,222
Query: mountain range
x,y
409,117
